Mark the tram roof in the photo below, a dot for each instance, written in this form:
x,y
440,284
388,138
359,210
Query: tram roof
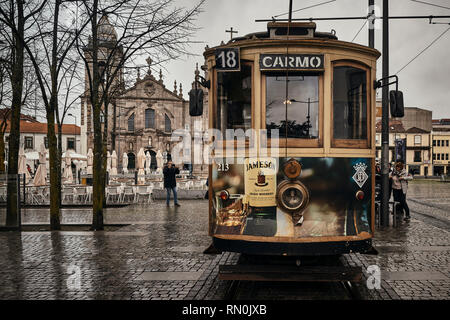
x,y
300,33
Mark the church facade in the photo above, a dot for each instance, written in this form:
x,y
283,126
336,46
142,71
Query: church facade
x,y
143,116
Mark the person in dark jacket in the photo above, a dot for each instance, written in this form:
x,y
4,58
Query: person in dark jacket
x,y
170,183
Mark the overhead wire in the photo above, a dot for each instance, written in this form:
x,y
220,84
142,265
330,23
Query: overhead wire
x,y
434,41
309,7
359,31
431,4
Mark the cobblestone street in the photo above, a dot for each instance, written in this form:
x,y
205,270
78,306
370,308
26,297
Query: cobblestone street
x,y
155,252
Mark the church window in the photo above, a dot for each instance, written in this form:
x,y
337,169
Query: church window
x,y
149,118
167,124
131,123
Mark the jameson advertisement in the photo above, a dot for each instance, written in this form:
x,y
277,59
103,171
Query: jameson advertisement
x,y
260,181
330,197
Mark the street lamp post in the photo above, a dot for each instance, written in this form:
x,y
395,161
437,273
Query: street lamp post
x,y
74,132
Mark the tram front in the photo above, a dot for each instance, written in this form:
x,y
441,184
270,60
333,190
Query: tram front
x,y
292,113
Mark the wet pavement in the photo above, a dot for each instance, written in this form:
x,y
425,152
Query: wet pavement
x,y
154,252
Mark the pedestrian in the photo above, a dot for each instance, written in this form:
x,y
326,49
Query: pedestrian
x,y
29,170
207,191
170,182
400,186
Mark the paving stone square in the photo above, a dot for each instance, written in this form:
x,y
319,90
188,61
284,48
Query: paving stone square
x,y
156,253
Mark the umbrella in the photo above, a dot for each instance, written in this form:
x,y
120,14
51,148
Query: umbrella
x,y
159,159
108,161
125,163
148,161
22,165
74,156
90,161
140,166
41,172
67,174
113,163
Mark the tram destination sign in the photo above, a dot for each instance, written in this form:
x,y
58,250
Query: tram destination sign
x,y
227,59
291,61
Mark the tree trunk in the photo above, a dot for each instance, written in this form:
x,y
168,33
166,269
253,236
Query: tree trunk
x,y
98,172
2,152
54,167
59,181
98,169
12,210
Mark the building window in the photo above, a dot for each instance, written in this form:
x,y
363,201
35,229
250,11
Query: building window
x,y
439,156
167,124
434,143
439,143
446,143
46,142
149,118
446,156
71,143
131,123
417,139
434,156
28,142
417,156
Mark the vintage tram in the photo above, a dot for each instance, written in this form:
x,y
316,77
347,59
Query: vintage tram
x,y
294,150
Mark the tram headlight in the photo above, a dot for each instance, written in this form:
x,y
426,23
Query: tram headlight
x,y
292,169
292,196
224,195
359,195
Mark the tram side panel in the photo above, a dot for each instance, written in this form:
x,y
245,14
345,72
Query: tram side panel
x,y
255,201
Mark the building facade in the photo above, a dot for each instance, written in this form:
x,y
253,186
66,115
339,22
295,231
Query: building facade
x,y
417,147
142,116
441,147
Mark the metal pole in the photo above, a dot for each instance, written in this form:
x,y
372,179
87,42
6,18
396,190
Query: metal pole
x,y
384,214
372,24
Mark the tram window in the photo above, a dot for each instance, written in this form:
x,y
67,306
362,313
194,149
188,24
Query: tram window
x,y
234,99
302,108
349,103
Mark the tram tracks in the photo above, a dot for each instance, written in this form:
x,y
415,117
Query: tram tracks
x,y
292,282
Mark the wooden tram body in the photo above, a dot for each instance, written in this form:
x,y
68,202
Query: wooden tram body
x,y
310,192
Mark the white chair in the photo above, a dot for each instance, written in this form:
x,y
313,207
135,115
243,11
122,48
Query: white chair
x,y
3,194
88,194
144,191
198,185
80,194
67,193
128,191
40,195
112,193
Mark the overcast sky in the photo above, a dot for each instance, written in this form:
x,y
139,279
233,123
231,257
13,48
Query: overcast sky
x,y
425,82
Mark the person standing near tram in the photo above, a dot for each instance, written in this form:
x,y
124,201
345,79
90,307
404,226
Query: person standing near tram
x,y
170,182
400,180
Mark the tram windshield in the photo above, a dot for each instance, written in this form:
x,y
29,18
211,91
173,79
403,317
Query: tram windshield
x,y
234,99
301,114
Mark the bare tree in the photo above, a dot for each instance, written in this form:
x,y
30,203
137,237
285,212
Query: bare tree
x,y
55,40
155,28
15,16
